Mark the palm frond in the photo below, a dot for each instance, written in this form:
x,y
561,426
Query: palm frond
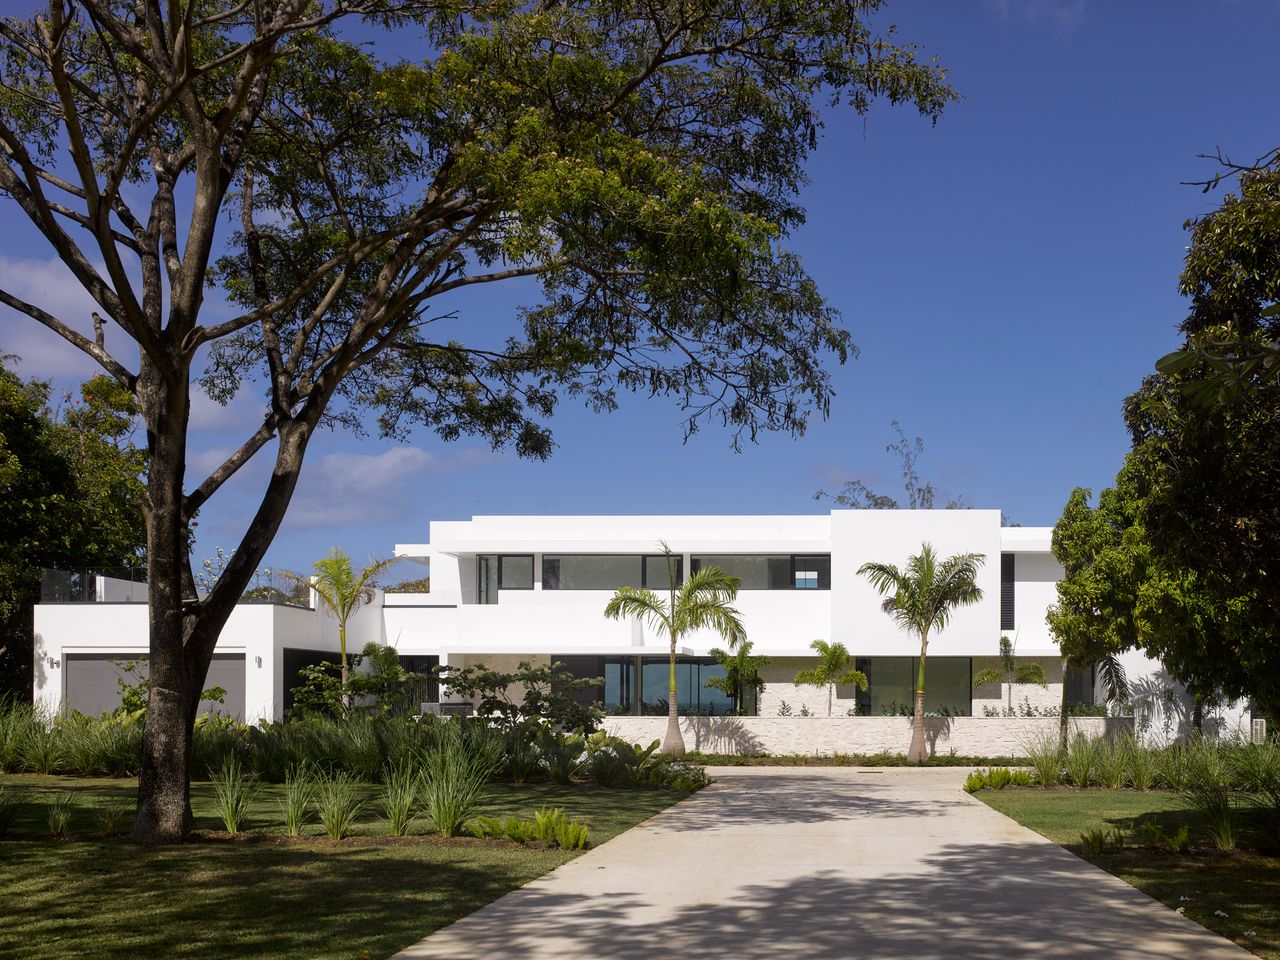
x,y
1115,684
641,604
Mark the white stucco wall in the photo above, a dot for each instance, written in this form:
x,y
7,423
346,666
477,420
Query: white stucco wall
x,y
819,736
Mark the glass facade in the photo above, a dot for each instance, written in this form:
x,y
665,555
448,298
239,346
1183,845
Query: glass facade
x,y
891,683
515,572
486,579
772,571
640,685
657,576
586,571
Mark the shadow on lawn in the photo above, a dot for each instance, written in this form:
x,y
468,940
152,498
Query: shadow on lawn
x,y
243,900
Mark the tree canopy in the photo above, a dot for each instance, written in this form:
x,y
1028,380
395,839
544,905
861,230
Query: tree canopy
x,y
341,169
70,480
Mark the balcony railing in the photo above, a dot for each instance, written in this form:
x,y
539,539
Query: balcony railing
x,y
129,585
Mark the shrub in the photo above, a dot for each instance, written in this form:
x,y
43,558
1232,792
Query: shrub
x,y
1081,761
42,749
1173,766
10,803
976,781
668,773
1179,842
1151,833
1044,757
561,754
59,813
551,827
453,780
16,721
520,755
338,803
400,799
233,794
999,777
1098,841
299,794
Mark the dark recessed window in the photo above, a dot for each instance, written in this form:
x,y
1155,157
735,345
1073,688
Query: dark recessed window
x,y
515,572
657,574
591,571
486,579
771,571
1006,591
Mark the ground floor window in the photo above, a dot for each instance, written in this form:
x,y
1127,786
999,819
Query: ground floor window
x,y
639,686
891,684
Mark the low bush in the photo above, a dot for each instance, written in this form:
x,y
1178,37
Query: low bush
x,y
1044,757
1112,759
976,781
1179,841
1081,761
400,799
1098,841
299,796
549,826
453,779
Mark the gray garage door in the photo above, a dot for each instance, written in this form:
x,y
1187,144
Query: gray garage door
x,y
93,682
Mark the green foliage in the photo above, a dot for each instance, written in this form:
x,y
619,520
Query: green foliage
x,y
235,795
704,601
550,827
338,803
1142,766
741,681
1045,757
547,693
10,803
299,797
110,816
832,669
1257,772
59,811
343,590
976,781
377,685
1081,761
613,762
400,799
1180,840
562,754
70,482
453,779
1113,762
1097,841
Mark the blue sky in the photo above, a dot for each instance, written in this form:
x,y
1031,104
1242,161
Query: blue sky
x,y
1009,276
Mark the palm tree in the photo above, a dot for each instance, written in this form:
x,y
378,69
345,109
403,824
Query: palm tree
x,y
921,598
833,667
741,673
343,591
702,601
1115,686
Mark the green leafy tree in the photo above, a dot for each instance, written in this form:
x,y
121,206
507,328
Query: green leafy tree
x,y
376,685
703,602
550,697
638,166
70,484
833,668
921,597
1011,671
342,591
741,681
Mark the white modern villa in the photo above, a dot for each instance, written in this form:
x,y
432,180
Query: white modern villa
x,y
509,588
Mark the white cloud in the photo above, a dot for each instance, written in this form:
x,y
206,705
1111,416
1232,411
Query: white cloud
x,y
346,489
1064,17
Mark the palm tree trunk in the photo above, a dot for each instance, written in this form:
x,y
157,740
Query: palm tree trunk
x,y
673,742
342,647
916,753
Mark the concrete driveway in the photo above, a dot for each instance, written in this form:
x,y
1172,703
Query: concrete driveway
x,y
803,864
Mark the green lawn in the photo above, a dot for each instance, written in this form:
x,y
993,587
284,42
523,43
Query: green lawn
x,y
1243,884
262,895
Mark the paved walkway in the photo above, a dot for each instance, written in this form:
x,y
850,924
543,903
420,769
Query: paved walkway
x,y
808,864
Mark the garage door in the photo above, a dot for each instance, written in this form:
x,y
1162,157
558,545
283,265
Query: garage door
x,y
93,682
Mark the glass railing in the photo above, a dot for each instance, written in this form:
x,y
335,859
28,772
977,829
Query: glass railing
x,y
129,585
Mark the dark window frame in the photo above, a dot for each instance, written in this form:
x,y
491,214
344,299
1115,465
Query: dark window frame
x,y
695,566
503,557
1008,574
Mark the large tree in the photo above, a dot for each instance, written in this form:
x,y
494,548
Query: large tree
x,y
69,481
340,168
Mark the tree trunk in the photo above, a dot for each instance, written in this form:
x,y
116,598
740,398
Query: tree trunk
x,y
342,646
164,808
830,693
1197,714
916,753
1062,713
673,742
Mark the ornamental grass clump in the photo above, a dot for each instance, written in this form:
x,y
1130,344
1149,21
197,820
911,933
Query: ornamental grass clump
x,y
1081,762
1044,757
299,796
453,781
1142,767
338,802
400,798
1210,792
1113,762
110,816
1256,770
61,809
233,794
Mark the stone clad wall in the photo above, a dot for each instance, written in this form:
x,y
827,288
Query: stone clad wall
x,y
823,736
